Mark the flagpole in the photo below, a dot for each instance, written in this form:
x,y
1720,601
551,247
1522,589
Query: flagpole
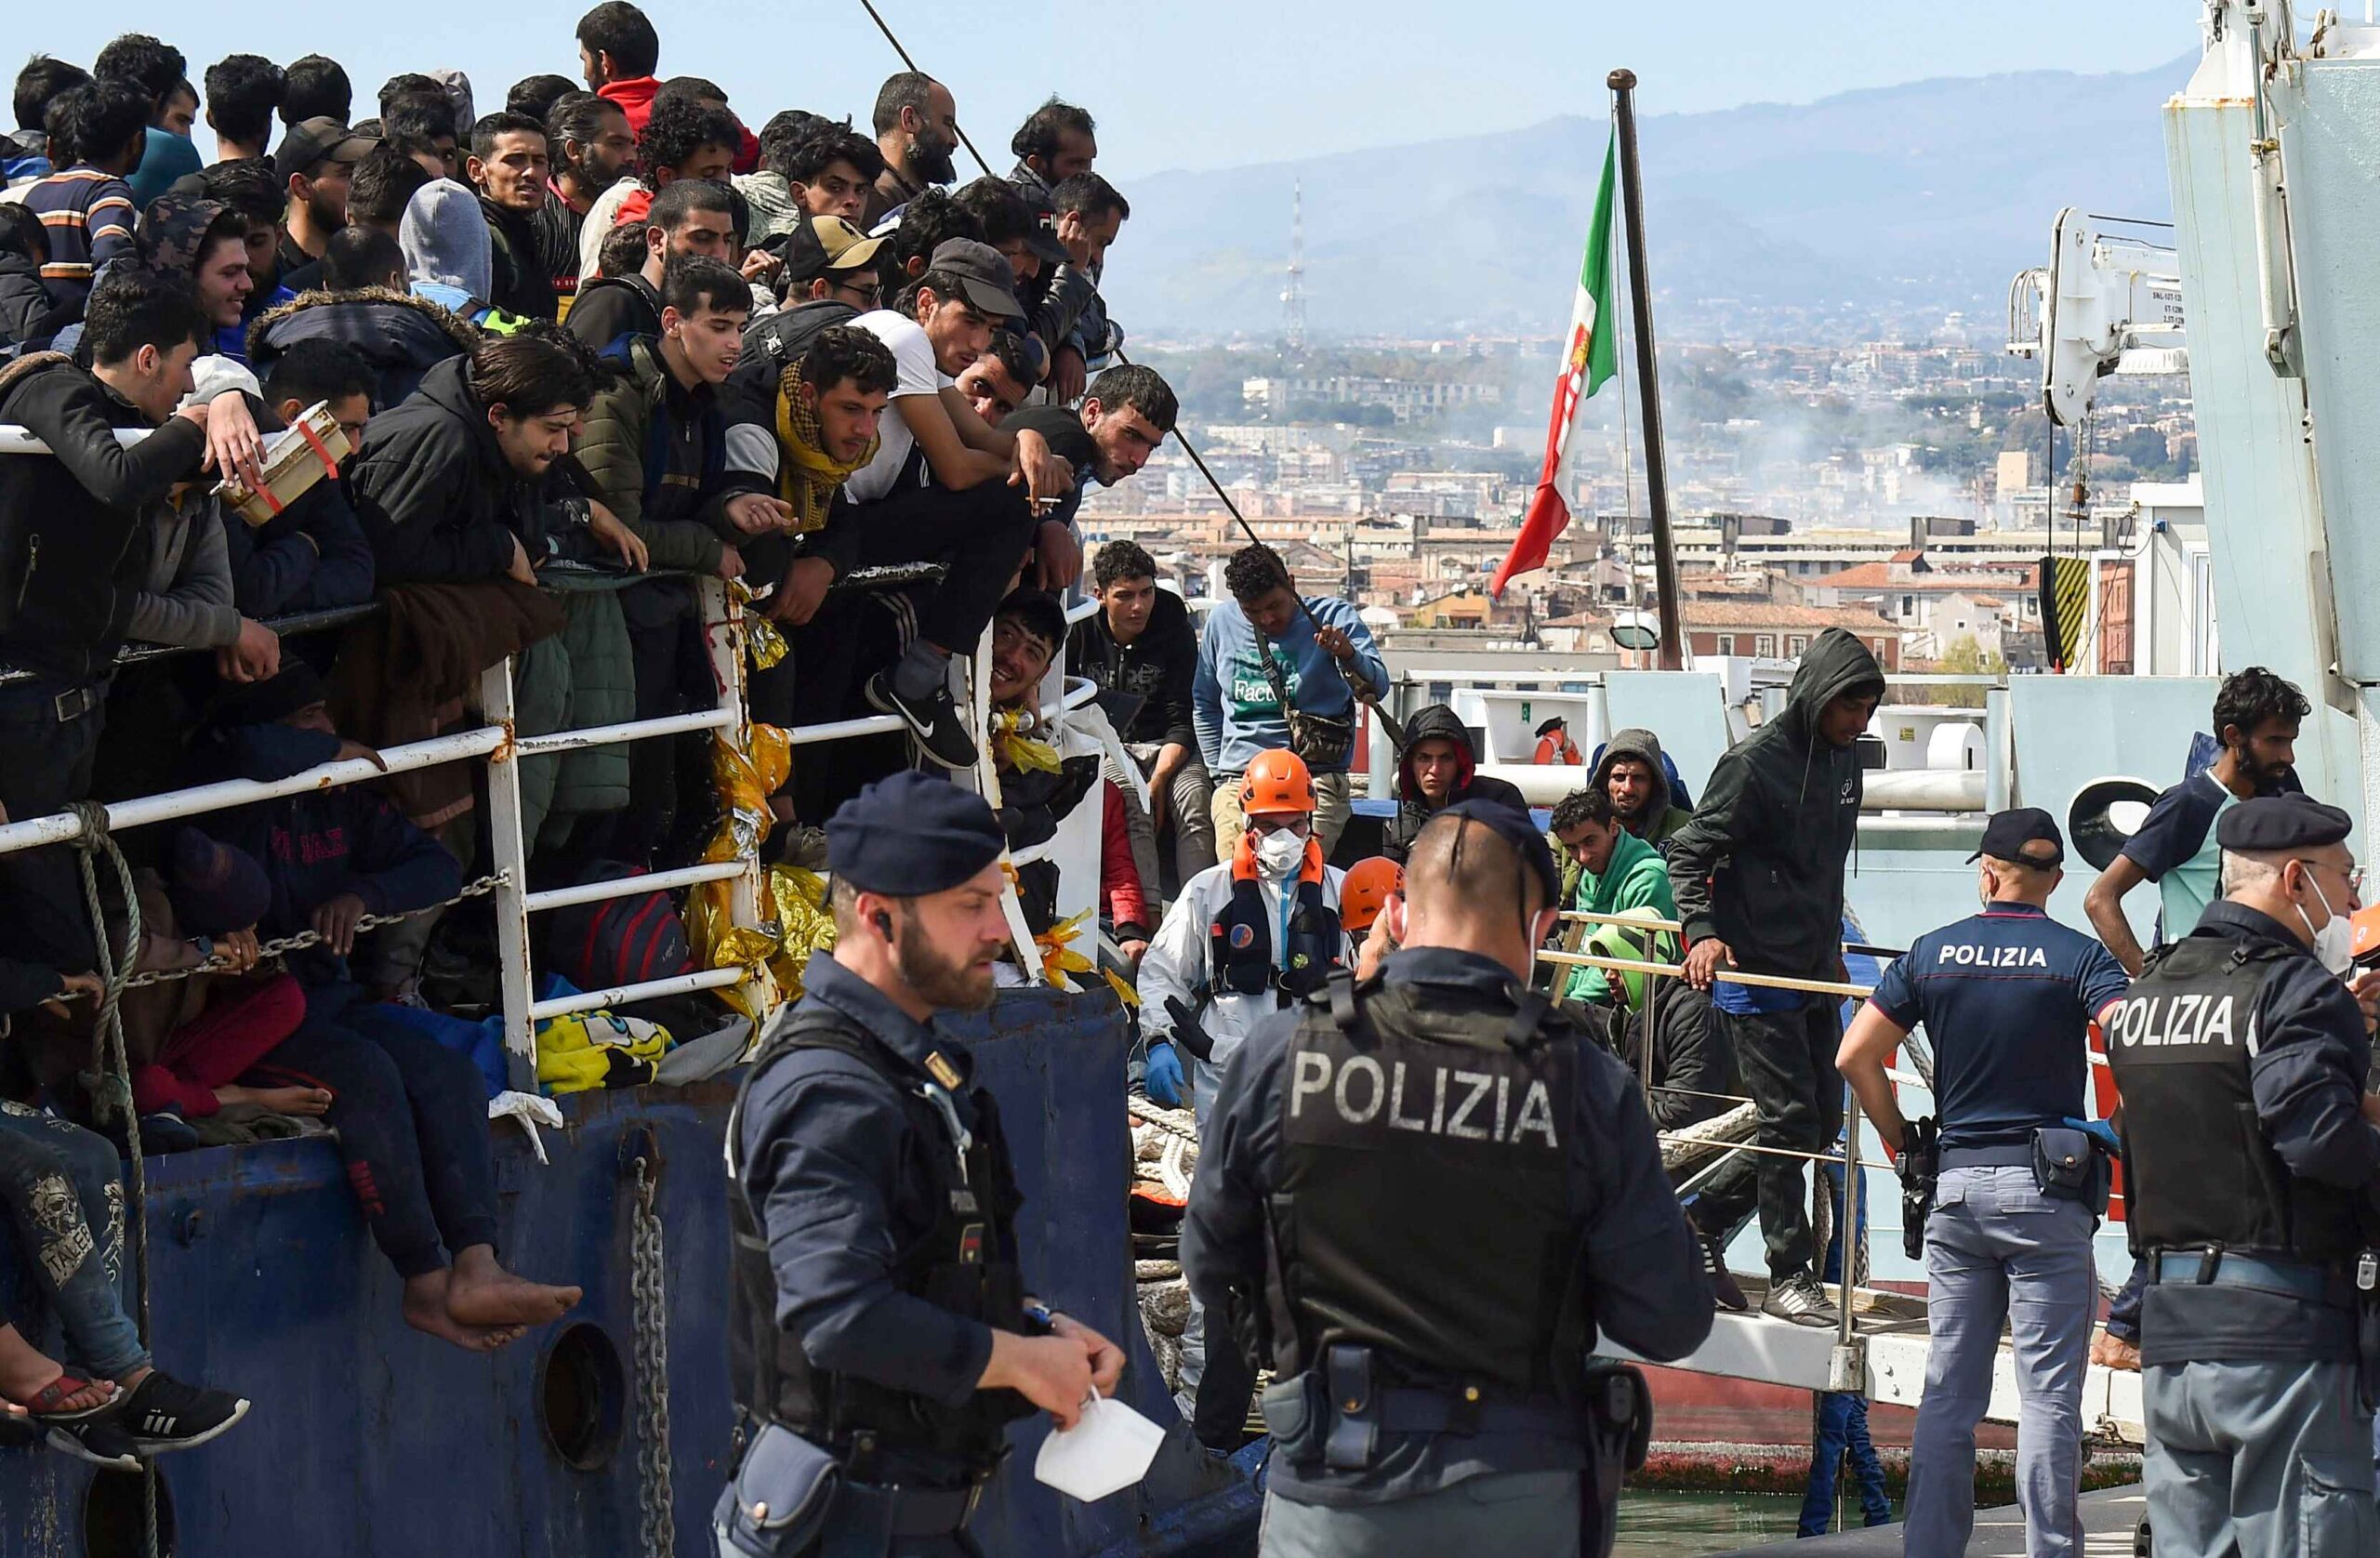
x,y
1656,481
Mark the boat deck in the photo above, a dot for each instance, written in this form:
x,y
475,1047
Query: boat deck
x,y
2109,1520
1755,1346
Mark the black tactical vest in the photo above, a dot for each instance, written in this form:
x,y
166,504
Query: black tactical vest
x,y
2198,1169
1424,1209
964,1262
1240,948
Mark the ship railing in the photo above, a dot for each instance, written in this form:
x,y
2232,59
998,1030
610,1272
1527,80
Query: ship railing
x,y
1847,1369
496,742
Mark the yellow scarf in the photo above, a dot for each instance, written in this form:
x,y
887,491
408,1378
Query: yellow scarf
x,y
810,479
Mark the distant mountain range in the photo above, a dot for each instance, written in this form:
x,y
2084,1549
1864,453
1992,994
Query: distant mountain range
x,y
1931,195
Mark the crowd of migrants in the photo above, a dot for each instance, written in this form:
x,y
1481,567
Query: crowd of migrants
x,y
594,345
585,349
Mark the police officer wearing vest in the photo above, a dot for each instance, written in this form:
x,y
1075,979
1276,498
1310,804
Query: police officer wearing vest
x,y
2250,1161
881,1335
2007,996
1442,1193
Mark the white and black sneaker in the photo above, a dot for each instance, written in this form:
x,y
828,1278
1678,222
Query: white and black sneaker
x,y
1799,1298
165,1414
1723,1287
99,1441
934,722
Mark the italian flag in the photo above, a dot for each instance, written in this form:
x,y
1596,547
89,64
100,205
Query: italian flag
x,y
1591,358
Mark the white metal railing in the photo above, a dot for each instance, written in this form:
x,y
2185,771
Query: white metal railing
x,y
497,740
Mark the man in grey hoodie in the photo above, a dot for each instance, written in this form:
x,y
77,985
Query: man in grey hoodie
x,y
1631,770
1757,874
449,258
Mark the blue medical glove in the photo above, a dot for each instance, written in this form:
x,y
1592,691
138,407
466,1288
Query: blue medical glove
x,y
2097,1130
1163,1081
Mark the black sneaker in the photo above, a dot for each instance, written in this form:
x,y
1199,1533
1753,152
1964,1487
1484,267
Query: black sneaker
x,y
934,722
1722,1281
100,1441
165,1414
1801,1300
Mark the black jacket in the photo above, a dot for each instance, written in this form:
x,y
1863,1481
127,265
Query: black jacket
x,y
1157,668
518,282
615,307
27,316
437,498
1760,866
401,336
1414,812
73,525
1693,1064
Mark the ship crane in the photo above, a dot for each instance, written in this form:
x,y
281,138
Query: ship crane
x,y
2104,304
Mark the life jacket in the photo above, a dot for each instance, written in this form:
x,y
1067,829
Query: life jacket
x,y
965,1262
1239,942
2198,1169
1459,1121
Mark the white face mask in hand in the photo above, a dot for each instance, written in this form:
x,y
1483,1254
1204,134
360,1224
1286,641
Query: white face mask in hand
x,y
2334,943
1280,853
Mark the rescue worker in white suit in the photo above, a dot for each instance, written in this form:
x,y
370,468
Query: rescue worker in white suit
x,y
1245,939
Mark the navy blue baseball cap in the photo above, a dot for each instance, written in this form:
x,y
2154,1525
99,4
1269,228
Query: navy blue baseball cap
x,y
911,834
2007,833
1514,827
2269,824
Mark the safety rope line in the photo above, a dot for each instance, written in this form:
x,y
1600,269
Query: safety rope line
x,y
110,1080
304,939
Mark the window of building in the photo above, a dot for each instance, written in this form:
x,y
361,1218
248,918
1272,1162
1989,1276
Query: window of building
x,y
1797,644
1765,644
1907,604
1959,624
1727,643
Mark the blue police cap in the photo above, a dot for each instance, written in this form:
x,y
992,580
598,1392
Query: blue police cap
x,y
1515,828
2270,823
910,835
2007,833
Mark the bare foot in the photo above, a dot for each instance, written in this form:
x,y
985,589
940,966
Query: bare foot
x,y
425,1310
278,1100
480,1292
19,1386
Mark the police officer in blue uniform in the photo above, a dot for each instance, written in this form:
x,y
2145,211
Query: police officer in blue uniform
x,y
2250,1161
2007,996
1438,1192
881,1335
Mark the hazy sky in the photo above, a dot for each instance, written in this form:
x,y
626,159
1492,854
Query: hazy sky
x,y
1197,83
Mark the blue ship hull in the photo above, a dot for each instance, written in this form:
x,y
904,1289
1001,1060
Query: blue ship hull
x,y
372,1440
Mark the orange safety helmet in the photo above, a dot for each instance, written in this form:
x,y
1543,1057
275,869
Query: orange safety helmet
x,y
2365,947
1370,885
1276,781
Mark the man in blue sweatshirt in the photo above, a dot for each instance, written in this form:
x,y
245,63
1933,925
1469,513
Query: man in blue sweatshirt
x,y
1260,651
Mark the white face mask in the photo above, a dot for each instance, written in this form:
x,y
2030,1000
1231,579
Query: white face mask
x,y
2334,943
1280,853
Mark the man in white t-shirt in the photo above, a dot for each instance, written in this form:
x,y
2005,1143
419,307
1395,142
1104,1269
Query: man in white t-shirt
x,y
945,486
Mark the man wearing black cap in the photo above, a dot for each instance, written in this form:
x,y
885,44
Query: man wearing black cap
x,y
315,162
879,1320
2250,1160
2007,997
942,487
1429,1387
